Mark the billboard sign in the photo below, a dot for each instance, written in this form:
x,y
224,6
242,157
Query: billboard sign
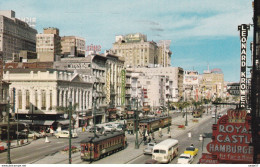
x,y
231,138
243,37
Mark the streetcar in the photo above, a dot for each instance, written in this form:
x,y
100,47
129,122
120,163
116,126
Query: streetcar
x,y
150,125
99,146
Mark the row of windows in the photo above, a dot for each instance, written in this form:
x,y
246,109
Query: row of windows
x,y
111,142
36,102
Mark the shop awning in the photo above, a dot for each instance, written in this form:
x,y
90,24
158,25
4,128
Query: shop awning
x,y
40,122
63,122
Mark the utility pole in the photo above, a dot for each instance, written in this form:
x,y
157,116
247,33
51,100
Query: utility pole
x,y
70,111
8,132
186,122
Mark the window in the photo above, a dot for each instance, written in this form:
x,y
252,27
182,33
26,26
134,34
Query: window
x,y
50,101
43,100
27,99
36,100
19,99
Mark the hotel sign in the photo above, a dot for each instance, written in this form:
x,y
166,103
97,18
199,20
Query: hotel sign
x,y
78,65
243,37
231,138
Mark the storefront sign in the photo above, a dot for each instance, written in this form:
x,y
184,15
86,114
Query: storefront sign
x,y
232,137
233,89
108,86
207,159
78,65
243,37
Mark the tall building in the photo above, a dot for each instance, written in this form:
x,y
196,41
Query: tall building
x,y
15,35
175,92
72,45
48,44
138,52
164,53
212,85
190,85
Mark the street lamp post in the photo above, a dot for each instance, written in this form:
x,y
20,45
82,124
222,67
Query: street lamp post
x,y
70,110
94,113
136,125
8,132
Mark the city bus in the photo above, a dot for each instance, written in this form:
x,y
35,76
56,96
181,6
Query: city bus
x,y
165,151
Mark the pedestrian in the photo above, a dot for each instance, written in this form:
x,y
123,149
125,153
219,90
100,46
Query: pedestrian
x,y
149,139
51,131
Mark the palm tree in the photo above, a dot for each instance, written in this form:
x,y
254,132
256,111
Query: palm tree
x,y
181,105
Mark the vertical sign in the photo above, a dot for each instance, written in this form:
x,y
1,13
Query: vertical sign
x,y
123,87
243,28
108,86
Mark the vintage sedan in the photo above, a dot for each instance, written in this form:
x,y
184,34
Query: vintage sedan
x,y
149,148
65,133
185,159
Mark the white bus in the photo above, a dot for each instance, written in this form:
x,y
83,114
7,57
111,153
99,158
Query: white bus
x,y
165,151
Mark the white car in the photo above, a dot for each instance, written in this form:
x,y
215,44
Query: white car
x,y
65,133
149,148
109,127
33,133
185,159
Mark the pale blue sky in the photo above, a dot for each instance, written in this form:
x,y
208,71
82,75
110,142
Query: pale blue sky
x,y
201,31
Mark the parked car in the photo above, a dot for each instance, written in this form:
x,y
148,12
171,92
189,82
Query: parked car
x,y
149,148
213,115
91,129
109,127
185,159
65,133
31,134
191,150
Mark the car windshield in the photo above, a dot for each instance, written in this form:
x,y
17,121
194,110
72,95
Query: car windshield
x,y
184,157
190,149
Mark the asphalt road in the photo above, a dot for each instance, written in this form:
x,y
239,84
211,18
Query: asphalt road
x,y
185,141
38,149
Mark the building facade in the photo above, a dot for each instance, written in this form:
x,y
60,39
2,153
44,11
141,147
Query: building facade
x,y
48,44
95,66
15,35
190,85
138,52
115,85
72,45
43,94
175,75
212,85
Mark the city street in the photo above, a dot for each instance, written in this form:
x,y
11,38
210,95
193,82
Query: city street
x,y
49,152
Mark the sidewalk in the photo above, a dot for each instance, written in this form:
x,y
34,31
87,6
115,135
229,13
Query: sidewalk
x,y
14,143
130,153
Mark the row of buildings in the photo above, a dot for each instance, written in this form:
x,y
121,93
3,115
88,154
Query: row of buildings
x,y
41,72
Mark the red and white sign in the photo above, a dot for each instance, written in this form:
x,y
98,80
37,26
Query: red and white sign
x,y
231,138
207,159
